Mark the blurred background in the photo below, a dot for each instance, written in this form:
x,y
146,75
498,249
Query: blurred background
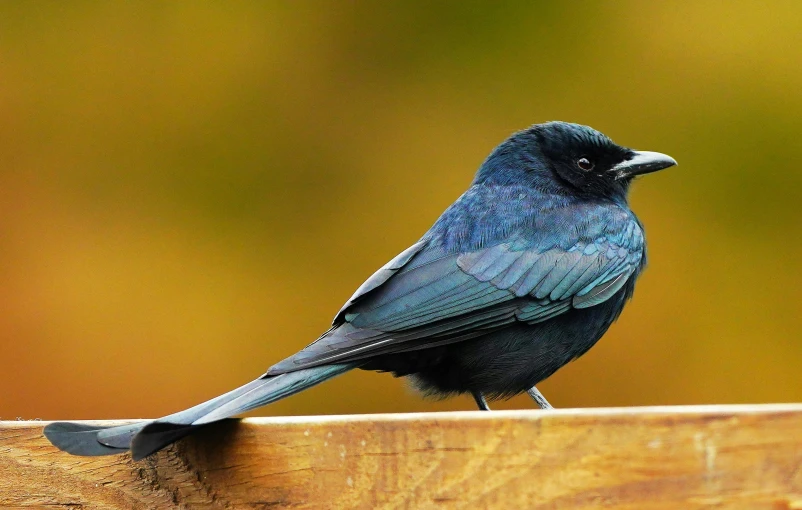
x,y
190,191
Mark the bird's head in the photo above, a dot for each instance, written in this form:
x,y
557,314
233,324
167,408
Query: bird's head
x,y
571,157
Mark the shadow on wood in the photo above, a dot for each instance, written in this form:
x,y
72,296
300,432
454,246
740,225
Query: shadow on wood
x,y
641,458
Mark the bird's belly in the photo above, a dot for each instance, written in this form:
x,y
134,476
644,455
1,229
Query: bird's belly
x,y
511,360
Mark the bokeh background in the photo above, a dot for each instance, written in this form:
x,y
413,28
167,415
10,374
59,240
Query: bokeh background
x,y
190,191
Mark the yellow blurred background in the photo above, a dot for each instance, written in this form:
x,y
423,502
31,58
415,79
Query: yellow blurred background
x,y
190,191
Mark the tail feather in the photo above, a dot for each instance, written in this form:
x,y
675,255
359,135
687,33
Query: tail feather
x,y
158,434
119,437
145,438
270,390
81,438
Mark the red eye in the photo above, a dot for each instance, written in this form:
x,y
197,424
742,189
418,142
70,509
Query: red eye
x,y
584,164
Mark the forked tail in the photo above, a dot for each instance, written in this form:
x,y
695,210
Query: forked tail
x,y
145,438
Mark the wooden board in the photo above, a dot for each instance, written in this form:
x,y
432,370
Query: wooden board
x,y
637,458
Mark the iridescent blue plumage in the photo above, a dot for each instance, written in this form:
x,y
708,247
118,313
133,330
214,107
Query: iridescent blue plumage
x,y
518,246
522,274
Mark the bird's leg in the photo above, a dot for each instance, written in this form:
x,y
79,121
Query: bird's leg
x,y
538,397
480,400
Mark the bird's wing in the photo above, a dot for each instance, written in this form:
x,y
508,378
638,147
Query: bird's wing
x,y
427,297
382,275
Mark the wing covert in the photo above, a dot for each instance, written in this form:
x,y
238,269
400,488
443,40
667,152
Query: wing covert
x,y
427,296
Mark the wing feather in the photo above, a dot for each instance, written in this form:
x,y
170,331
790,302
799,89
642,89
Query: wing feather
x,y
427,296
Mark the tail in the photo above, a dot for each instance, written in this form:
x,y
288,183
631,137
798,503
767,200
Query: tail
x,y
145,438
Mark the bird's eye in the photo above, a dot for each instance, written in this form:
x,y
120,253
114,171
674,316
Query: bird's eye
x,y
585,164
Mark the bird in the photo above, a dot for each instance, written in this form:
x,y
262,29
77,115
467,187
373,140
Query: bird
x,y
522,274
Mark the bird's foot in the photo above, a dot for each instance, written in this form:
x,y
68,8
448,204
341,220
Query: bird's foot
x,y
538,397
480,401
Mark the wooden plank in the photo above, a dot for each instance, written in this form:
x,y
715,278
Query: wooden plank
x,y
634,458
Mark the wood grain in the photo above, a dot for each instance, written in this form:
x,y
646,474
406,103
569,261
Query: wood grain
x,y
637,458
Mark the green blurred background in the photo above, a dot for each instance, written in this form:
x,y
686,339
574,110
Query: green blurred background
x,y
190,191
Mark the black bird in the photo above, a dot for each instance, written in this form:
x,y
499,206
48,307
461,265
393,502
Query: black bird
x,y
519,276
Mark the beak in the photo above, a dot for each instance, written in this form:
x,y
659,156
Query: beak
x,y
642,162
